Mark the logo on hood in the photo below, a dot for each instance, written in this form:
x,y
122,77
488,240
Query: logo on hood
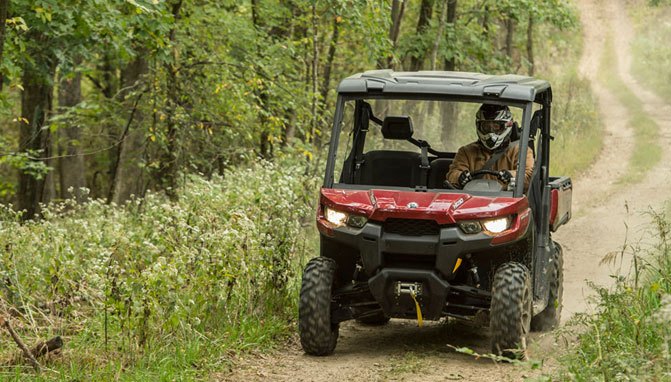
x,y
412,205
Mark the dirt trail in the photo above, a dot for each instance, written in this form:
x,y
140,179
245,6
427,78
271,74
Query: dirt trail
x,y
401,351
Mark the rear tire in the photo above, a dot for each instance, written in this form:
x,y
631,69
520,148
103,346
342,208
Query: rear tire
x,y
318,335
550,317
510,313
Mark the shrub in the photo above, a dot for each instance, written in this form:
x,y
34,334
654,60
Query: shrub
x,y
218,263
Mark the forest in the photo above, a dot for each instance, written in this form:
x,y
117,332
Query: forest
x,y
160,160
125,97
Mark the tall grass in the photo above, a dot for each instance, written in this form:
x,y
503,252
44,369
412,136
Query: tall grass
x,y
576,125
628,338
153,289
650,48
646,152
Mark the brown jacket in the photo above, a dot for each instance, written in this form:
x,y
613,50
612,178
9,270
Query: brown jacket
x,y
473,156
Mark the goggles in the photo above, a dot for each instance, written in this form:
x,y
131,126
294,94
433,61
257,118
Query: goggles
x,y
496,127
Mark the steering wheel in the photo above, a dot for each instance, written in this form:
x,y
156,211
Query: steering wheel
x,y
484,172
479,173
474,175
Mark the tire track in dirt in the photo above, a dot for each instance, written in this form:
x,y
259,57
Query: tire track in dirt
x,y
401,351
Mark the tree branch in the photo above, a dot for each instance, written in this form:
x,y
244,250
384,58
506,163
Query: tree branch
x,y
29,356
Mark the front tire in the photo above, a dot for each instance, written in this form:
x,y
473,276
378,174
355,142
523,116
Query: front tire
x,y
510,312
318,335
550,317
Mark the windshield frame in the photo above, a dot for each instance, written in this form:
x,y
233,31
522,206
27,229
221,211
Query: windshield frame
x,y
526,106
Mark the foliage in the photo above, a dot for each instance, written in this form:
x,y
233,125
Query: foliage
x,y
135,278
227,81
647,151
652,55
628,338
575,119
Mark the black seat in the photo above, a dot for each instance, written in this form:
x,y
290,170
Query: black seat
x,y
535,125
438,172
390,168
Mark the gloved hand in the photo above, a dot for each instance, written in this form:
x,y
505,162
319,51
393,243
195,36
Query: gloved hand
x,y
505,176
464,178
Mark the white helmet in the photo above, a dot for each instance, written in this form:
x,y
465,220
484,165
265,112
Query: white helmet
x,y
494,124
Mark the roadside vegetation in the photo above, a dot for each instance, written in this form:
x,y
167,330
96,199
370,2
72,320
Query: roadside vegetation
x,y
651,48
647,152
156,289
628,338
577,127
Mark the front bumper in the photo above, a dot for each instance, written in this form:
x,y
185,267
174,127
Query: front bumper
x,y
428,261
429,252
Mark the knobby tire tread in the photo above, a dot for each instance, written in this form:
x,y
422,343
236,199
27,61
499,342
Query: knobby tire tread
x,y
507,324
317,334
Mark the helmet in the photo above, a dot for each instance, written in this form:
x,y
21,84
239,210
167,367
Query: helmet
x,y
494,124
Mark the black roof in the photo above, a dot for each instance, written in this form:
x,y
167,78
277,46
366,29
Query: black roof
x,y
461,84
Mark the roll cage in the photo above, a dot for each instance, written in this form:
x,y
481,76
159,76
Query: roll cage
x,y
533,96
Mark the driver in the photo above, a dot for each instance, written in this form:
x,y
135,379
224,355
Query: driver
x,y
494,125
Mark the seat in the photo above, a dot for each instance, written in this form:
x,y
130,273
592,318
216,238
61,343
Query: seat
x,y
390,168
535,125
438,172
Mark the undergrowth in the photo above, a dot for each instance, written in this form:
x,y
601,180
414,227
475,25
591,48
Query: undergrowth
x,y
159,290
650,48
629,336
646,152
576,127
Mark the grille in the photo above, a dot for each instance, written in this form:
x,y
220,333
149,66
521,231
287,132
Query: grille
x,y
411,227
400,260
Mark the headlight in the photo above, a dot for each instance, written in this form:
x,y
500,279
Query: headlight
x,y
335,217
339,218
496,225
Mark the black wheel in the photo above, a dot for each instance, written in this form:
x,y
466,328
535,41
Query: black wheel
x,y
549,318
375,318
510,312
318,335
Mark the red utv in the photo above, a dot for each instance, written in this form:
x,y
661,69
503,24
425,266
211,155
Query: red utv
x,y
399,241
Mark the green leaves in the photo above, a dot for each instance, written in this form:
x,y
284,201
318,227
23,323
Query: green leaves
x,y
229,249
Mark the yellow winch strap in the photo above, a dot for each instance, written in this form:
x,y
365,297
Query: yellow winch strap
x,y
420,321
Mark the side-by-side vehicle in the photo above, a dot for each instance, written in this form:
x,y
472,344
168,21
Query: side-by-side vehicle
x,y
399,241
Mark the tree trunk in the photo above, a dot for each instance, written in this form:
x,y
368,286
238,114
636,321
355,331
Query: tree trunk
x,y
168,167
485,22
530,45
4,7
102,182
326,83
510,31
450,62
397,10
425,14
36,101
71,162
449,110
315,64
439,33
128,177
262,97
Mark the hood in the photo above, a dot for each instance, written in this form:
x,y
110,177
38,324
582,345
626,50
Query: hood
x,y
443,207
